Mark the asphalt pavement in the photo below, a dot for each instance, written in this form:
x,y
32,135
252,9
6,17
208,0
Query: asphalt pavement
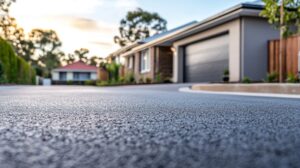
x,y
145,127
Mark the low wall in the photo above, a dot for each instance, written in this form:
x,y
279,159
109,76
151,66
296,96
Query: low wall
x,y
252,88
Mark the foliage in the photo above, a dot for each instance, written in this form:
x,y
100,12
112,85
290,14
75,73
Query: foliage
x,y
16,70
69,82
272,77
113,71
47,45
246,80
141,80
90,83
292,78
129,78
158,78
102,83
148,80
2,74
226,72
139,24
291,15
225,77
5,4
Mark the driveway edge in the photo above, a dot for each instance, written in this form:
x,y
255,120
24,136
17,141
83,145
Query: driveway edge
x,y
272,95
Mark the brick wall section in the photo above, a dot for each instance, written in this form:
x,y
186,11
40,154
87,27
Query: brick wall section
x,y
165,62
161,63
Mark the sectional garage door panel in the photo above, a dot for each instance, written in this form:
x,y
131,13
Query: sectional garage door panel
x,y
206,61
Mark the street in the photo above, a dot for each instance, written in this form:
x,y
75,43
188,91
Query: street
x,y
145,127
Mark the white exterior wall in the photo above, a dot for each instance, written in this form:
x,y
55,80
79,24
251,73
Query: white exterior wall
x,y
69,76
94,76
233,28
55,76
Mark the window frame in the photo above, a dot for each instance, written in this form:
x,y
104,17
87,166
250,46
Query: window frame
x,y
145,61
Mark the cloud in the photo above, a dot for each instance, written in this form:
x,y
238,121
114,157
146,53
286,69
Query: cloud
x,y
90,24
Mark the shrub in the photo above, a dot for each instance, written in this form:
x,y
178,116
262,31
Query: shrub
x,y
246,80
15,69
69,82
90,83
272,77
2,75
226,76
292,78
129,78
158,78
167,80
148,80
102,83
141,81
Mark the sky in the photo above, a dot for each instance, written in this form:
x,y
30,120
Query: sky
x,y
92,24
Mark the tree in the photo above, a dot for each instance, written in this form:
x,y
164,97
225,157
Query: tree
x,y
284,15
290,15
15,35
139,24
47,51
94,61
81,54
5,4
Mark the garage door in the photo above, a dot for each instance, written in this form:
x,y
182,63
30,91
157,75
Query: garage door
x,y
206,61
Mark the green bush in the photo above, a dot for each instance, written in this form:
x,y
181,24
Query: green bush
x,y
102,83
148,80
129,78
2,75
158,78
69,82
141,81
292,78
246,80
90,83
272,77
15,69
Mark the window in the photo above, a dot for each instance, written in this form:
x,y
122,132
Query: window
x,y
130,62
145,61
62,76
82,76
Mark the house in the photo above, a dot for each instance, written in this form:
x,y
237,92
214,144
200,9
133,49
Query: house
x,y
235,40
77,73
150,62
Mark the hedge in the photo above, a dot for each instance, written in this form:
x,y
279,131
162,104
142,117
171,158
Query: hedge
x,y
16,69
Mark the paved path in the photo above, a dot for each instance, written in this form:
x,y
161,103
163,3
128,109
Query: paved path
x,y
145,127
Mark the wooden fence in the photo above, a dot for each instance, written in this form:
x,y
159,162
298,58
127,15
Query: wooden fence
x,y
291,48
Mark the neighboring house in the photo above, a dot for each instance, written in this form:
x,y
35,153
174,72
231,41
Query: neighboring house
x,y
152,61
235,39
77,73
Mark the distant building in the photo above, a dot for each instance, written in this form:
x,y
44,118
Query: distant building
x,y
77,73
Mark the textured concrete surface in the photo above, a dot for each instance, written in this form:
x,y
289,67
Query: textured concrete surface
x,y
276,88
145,126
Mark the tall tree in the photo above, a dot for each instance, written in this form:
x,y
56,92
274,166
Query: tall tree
x,y
81,54
286,22
47,46
5,4
139,24
15,35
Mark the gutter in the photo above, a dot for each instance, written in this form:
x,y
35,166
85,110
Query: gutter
x,y
243,9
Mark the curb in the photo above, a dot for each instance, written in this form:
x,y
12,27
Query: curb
x,y
271,95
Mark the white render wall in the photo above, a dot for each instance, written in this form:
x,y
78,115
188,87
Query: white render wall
x,y
94,76
233,28
55,76
69,76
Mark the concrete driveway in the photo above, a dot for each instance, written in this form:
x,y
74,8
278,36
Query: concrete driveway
x,y
144,127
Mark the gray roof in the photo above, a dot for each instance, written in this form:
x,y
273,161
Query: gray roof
x,y
157,36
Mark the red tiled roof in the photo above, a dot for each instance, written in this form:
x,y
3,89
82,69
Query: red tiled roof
x,y
78,66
